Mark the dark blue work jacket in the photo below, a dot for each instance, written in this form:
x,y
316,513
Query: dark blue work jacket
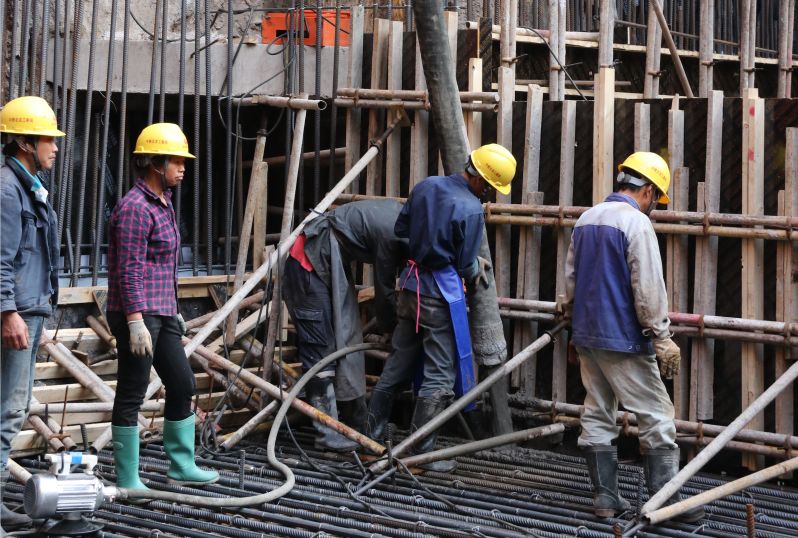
x,y
443,222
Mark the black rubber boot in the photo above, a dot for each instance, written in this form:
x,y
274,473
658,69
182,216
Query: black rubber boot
x,y
353,413
379,414
660,465
426,409
602,464
9,519
500,418
321,395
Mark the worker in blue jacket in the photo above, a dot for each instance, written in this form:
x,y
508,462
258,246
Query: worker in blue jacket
x,y
618,306
443,221
28,265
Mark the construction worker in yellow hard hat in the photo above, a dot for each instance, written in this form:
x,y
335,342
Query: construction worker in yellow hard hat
x,y
443,222
643,168
142,309
28,263
618,306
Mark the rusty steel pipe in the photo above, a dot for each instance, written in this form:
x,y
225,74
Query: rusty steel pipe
x,y
259,418
277,394
699,429
99,328
660,227
297,103
346,102
199,321
411,95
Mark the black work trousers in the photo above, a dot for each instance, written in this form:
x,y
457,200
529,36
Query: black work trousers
x,y
133,375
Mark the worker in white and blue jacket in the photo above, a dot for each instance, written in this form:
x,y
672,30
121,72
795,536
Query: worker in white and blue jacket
x,y
618,306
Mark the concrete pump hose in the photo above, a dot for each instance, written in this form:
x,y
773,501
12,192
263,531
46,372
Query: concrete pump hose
x,y
288,485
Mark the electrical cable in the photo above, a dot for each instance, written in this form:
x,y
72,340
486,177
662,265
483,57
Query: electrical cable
x,y
556,59
143,29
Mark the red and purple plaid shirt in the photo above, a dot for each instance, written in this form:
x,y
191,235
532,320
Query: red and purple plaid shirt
x,y
143,246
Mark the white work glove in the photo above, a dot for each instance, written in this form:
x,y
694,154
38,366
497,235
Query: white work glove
x,y
669,356
140,339
482,274
181,323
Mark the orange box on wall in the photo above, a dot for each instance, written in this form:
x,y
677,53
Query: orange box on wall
x,y
274,28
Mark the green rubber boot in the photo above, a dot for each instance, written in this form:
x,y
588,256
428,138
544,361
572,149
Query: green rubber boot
x,y
178,440
126,457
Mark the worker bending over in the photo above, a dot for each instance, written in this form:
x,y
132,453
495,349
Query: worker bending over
x,y
28,264
616,299
320,295
143,313
443,220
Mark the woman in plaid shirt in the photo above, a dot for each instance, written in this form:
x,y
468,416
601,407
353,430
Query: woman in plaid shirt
x,y
144,242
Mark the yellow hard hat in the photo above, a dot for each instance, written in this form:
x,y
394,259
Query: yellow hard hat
x,y
29,115
651,167
496,165
163,139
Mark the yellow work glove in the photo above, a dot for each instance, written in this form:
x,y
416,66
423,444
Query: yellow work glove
x,y
140,339
669,356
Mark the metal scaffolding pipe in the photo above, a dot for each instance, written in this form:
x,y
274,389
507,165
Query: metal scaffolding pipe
x,y
675,509
410,95
346,102
677,61
682,426
297,103
757,406
483,444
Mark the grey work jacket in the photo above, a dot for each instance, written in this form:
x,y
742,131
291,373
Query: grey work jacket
x,y
28,246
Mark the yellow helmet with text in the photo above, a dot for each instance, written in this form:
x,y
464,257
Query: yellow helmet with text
x,y
162,139
29,115
650,167
496,165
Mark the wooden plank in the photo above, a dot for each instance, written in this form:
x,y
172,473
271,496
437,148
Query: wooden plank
x,y
187,287
554,43
603,129
259,224
653,55
606,30
419,135
379,71
786,22
566,198
706,48
504,132
787,291
677,273
528,275
355,80
677,281
561,19
752,355
47,371
393,149
30,440
473,120
702,366
746,30
642,127
531,290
